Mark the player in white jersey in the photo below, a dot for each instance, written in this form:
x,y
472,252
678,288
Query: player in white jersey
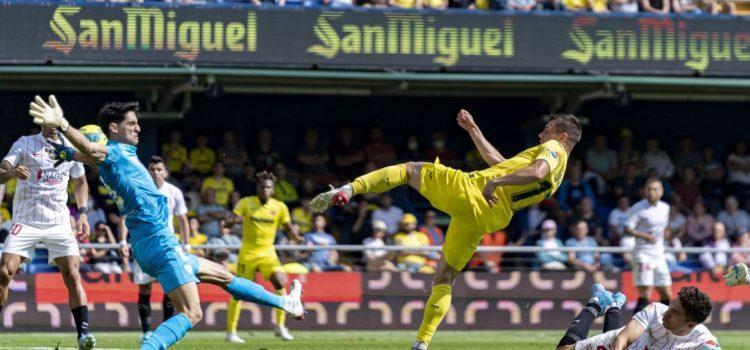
x,y
647,221
41,215
677,326
178,209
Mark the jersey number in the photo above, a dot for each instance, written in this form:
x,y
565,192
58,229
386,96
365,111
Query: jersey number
x,y
544,186
16,229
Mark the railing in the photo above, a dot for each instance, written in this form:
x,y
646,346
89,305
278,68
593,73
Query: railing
x,y
483,249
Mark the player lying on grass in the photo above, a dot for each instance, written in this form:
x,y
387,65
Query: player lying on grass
x,y
478,202
677,326
144,209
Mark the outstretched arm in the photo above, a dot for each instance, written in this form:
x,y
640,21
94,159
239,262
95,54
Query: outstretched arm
x,y
530,174
90,152
488,152
51,115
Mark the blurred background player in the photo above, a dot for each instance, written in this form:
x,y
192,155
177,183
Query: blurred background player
x,y
658,326
154,245
261,217
40,215
177,209
478,202
647,221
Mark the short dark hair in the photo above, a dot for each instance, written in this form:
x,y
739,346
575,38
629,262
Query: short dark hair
x,y
569,124
697,304
651,180
265,175
114,112
155,160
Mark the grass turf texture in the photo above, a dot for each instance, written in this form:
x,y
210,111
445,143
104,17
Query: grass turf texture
x,y
325,340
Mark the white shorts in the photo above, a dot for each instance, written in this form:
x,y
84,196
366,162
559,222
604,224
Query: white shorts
x,y
59,240
140,277
599,342
651,271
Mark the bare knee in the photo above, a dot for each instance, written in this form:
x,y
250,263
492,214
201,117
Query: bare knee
x,y
6,275
444,274
194,313
72,278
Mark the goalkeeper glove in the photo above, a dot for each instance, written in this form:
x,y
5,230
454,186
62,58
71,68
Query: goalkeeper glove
x,y
61,153
49,115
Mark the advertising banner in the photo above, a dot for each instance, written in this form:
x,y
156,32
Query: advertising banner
x,y
352,300
308,38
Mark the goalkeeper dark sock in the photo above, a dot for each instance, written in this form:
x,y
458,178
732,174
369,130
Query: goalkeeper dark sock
x,y
168,307
81,318
612,319
144,311
642,303
580,327
665,302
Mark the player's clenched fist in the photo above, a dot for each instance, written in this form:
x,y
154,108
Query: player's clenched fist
x,y
48,114
465,120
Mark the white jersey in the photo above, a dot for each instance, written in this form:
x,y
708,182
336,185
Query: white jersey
x,y
651,219
658,337
41,200
655,336
175,202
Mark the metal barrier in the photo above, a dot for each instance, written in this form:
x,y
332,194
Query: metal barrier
x,y
481,249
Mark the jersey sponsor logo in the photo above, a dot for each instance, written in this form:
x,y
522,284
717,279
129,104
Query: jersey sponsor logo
x,y
261,220
49,177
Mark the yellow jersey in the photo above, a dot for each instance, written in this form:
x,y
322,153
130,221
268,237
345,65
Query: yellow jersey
x,y
261,221
522,196
223,188
302,219
176,157
411,239
202,160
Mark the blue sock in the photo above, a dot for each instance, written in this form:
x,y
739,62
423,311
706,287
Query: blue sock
x,y
168,333
246,290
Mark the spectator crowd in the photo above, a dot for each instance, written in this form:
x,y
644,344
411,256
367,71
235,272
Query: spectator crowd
x,y
655,7
708,193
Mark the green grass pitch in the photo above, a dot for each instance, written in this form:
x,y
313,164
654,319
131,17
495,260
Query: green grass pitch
x,y
326,340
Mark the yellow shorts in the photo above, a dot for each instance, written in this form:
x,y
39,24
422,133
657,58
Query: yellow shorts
x,y
266,262
458,194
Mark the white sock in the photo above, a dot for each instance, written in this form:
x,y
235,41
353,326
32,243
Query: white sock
x,y
348,189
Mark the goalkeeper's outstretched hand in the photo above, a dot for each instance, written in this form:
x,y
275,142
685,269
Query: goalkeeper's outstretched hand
x,y
48,114
737,276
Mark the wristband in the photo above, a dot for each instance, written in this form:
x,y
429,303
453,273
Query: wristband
x,y
82,210
64,125
123,243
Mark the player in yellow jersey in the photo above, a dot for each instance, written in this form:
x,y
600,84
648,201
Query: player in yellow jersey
x,y
478,202
261,217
